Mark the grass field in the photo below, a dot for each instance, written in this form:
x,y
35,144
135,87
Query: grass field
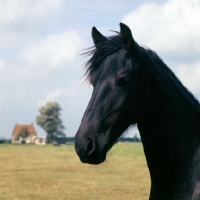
x,y
29,172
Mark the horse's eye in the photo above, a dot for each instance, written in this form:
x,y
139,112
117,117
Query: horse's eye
x,y
126,78
123,80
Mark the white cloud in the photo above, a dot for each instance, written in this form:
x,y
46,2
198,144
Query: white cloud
x,y
167,28
50,97
190,76
52,51
46,57
77,94
23,21
2,63
17,11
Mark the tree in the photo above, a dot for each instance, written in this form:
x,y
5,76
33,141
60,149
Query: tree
x,y
49,119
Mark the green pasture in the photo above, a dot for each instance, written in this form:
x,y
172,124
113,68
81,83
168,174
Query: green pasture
x,y
29,172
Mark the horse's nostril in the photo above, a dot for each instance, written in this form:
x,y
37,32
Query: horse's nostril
x,y
90,146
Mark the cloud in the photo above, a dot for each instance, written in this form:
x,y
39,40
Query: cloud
x,y
2,64
16,12
172,30
50,97
53,51
77,94
23,21
190,75
41,72
49,57
168,28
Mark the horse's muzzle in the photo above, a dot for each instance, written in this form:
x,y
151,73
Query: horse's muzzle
x,y
88,151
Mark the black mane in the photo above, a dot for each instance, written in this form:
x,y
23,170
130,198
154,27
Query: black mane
x,y
177,84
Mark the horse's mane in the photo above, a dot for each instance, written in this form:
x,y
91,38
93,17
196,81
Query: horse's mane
x,y
180,88
115,43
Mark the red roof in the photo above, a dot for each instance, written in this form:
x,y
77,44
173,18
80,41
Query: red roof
x,y
19,127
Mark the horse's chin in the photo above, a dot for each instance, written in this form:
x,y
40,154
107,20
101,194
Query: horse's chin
x,y
94,160
97,162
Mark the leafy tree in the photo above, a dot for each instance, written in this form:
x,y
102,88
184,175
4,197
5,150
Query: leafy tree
x,y
49,119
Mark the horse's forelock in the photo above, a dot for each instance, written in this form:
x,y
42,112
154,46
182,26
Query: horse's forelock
x,y
100,52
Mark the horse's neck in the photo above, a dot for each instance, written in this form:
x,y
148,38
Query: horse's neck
x,y
171,144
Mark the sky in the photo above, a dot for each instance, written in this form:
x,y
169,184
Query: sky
x,y
41,42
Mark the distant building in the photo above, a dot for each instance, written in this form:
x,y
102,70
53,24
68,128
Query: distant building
x,y
24,133
40,140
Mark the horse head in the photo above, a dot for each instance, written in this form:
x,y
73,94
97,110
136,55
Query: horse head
x,y
119,85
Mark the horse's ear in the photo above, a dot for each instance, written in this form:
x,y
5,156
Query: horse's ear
x,y
97,36
127,38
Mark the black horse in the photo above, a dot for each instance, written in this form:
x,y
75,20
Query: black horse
x,y
133,85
